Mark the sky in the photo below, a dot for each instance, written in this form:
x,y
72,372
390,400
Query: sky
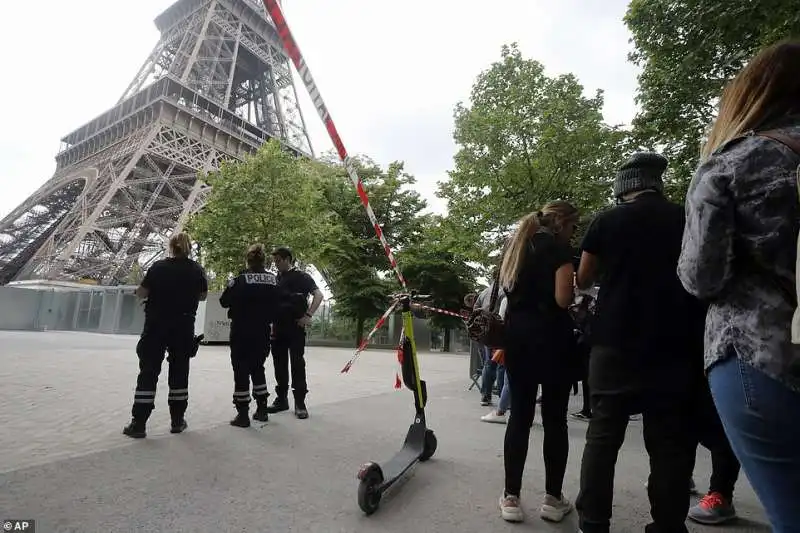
x,y
390,73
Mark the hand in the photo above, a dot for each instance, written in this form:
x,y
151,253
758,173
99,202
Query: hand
x,y
304,321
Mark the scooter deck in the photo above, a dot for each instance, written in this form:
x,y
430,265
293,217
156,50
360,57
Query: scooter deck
x,y
407,456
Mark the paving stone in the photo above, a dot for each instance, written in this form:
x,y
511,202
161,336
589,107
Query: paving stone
x,y
64,462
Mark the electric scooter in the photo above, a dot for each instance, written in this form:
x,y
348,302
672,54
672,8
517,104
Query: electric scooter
x,y
420,443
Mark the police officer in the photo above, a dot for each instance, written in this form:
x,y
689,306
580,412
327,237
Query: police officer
x,y
252,299
290,335
172,290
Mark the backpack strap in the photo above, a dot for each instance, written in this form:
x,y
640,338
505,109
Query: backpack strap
x,y
776,135
790,290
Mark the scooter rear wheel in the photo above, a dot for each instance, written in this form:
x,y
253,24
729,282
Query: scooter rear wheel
x,y
369,492
429,448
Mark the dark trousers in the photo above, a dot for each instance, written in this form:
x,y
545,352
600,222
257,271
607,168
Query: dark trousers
x,y
249,351
587,398
618,390
725,466
524,377
159,336
290,344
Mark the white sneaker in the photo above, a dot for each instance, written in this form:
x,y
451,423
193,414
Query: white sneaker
x,y
494,418
554,509
510,509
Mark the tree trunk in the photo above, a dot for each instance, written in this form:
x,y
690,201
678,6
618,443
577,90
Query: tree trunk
x,y
359,331
446,341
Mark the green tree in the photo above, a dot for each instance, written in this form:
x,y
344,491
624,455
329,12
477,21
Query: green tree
x,y
432,267
270,197
688,50
352,258
525,139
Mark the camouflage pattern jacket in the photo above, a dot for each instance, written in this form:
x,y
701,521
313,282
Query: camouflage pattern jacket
x,y
739,249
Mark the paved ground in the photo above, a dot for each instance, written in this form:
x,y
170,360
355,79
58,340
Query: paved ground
x,y
63,461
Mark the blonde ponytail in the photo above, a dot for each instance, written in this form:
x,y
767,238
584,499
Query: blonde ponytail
x,y
180,245
553,217
515,251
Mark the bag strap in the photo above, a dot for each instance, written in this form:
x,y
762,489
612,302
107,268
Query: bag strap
x,y
495,289
496,281
794,145
776,135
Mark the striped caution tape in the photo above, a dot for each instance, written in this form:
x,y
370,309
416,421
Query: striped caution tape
x,y
366,339
462,316
293,51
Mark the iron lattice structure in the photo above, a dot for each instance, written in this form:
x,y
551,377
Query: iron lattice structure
x,y
216,86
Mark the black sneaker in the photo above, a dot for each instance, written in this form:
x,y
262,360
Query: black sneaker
x,y
278,406
300,411
178,426
486,399
135,430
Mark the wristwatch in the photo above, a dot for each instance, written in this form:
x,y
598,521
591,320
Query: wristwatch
x,y
309,315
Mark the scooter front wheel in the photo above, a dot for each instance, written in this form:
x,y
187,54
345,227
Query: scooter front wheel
x,y
369,492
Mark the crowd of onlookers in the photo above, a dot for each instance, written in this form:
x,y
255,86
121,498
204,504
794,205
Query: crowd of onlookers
x,y
690,326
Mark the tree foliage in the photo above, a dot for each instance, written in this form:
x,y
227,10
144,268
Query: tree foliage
x,y
524,140
433,267
271,197
351,257
688,50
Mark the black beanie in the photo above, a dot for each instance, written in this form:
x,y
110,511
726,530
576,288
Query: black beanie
x,y
642,171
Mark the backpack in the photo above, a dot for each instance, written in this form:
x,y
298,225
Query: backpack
x,y
792,292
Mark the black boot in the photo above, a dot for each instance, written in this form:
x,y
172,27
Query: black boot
x,y
280,404
242,419
136,429
300,410
262,409
178,421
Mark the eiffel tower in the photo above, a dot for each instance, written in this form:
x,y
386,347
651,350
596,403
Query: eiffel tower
x,y
216,86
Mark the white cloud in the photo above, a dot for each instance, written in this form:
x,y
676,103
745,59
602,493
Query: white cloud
x,y
390,72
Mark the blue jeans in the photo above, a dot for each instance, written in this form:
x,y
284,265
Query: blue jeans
x,y
491,372
760,418
505,398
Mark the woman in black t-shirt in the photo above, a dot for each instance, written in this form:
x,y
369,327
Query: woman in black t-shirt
x,y
537,275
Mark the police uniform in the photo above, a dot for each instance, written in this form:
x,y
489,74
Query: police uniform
x,y
252,299
290,340
174,288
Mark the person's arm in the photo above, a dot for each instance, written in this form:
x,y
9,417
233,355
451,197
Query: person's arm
x,y
591,248
705,264
587,271
226,299
565,276
503,307
565,281
203,284
143,290
312,288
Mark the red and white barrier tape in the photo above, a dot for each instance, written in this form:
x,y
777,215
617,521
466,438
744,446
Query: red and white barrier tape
x,y
366,339
293,51
462,316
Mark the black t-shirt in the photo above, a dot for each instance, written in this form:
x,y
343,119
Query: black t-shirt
x,y
296,286
641,305
252,299
174,286
534,291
